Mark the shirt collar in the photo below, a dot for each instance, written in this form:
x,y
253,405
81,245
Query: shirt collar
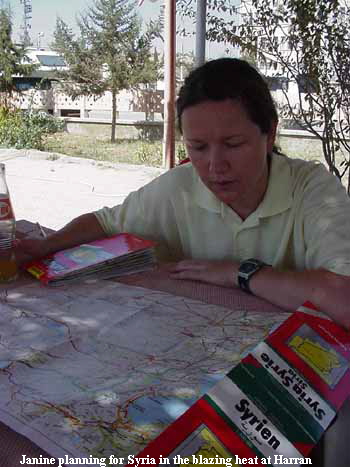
x,y
278,196
203,197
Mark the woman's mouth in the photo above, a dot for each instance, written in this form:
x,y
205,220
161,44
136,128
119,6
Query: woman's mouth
x,y
223,184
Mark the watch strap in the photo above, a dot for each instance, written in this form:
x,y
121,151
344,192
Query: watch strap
x,y
244,276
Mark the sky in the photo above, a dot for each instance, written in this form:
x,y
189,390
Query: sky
x,y
45,12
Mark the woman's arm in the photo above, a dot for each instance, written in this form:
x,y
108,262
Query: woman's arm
x,y
85,228
328,291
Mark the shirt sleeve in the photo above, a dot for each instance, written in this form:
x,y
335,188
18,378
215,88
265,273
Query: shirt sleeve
x,y
326,223
150,213
125,217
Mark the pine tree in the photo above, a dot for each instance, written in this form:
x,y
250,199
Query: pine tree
x,y
12,58
110,53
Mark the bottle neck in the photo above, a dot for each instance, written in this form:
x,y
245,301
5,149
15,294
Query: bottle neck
x,y
4,192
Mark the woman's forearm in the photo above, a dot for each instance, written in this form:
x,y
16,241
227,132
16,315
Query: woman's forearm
x,y
328,291
85,228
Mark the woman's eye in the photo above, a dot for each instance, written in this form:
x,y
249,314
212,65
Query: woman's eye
x,y
233,145
197,148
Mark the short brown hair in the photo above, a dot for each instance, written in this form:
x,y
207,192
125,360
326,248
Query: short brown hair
x,y
229,78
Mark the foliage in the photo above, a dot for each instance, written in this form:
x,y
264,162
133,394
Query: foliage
x,y
185,62
110,54
152,153
306,42
149,154
221,17
47,123
181,153
26,129
12,58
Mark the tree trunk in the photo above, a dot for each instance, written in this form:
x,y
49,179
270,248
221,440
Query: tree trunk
x,y
114,115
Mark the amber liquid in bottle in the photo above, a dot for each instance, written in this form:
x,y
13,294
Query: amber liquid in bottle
x,y
8,265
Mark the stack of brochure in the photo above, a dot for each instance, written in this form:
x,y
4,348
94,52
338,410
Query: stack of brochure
x,y
110,257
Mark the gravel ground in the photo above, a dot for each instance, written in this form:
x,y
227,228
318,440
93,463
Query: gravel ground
x,y
53,189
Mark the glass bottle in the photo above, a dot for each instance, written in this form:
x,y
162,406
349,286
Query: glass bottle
x,y
8,265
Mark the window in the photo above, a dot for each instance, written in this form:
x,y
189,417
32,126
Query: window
x,y
307,84
23,84
276,83
51,60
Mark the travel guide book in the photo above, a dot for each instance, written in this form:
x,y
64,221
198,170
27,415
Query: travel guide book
x,y
273,406
114,256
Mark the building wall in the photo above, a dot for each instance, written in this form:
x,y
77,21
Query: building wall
x,y
152,131
147,102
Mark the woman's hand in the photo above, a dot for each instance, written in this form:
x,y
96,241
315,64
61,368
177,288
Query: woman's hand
x,y
213,272
83,229
27,249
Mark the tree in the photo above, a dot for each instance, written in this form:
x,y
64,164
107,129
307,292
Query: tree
x,y
185,63
298,41
110,53
12,59
307,42
221,17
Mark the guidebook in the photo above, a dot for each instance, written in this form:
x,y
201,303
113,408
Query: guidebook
x,y
273,406
114,256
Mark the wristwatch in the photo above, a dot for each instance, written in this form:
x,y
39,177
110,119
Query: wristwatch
x,y
246,270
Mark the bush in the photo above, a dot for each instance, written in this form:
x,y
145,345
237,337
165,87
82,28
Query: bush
x,y
46,122
149,153
25,130
181,153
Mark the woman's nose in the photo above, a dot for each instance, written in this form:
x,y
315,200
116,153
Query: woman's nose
x,y
218,162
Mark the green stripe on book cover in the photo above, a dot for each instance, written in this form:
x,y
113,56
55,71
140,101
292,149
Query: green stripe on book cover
x,y
290,386
287,415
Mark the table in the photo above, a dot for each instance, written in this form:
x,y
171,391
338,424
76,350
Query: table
x,y
15,445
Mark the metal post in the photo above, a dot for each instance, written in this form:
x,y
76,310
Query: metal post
x,y
169,84
83,111
200,31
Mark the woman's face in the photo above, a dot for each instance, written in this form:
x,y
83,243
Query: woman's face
x,y
229,152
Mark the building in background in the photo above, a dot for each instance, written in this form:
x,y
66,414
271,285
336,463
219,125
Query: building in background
x,y
42,91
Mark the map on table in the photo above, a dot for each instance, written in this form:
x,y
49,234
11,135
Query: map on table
x,y
102,368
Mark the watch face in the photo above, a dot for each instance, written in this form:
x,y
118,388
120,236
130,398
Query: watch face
x,y
247,268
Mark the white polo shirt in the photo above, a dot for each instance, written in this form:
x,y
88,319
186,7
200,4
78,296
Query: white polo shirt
x,y
303,222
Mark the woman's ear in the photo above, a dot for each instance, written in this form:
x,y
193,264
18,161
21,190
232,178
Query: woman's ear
x,y
271,137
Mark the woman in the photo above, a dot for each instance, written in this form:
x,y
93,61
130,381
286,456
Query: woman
x,y
240,215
